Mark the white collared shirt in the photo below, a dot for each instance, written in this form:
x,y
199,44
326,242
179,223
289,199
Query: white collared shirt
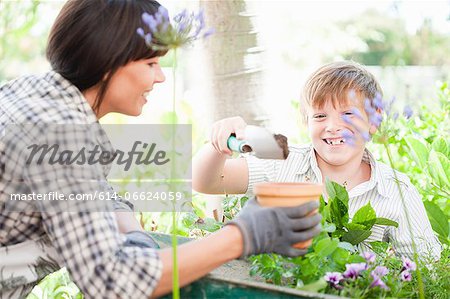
x,y
381,190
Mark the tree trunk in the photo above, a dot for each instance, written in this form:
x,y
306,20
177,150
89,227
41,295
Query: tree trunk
x,y
234,62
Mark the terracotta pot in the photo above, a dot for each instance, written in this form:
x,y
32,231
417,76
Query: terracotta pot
x,y
271,194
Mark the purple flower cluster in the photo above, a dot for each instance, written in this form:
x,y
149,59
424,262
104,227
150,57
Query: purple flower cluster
x,y
408,266
370,257
374,110
353,271
162,34
377,274
334,278
356,270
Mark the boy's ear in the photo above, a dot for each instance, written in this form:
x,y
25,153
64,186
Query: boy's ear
x,y
373,129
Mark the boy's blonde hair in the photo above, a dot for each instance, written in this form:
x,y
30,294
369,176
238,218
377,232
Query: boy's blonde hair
x,y
334,81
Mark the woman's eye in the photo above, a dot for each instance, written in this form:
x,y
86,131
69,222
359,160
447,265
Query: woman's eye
x,y
348,113
319,116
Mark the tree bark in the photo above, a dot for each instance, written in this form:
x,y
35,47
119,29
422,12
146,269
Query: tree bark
x,y
234,61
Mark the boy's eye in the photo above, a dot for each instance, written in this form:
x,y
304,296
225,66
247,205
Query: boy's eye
x,y
152,64
319,116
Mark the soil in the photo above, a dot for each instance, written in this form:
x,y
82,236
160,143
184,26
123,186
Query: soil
x,y
283,143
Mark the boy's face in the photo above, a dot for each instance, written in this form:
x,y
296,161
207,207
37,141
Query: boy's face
x,y
326,128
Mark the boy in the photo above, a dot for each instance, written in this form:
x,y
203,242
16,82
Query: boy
x,y
331,95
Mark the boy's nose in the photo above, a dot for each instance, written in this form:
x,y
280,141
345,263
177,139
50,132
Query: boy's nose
x,y
334,125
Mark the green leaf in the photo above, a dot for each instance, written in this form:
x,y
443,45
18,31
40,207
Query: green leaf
x,y
419,151
340,256
328,227
347,246
209,225
440,145
365,216
189,219
385,221
356,236
439,168
355,226
315,286
334,190
438,220
379,247
243,200
339,213
326,247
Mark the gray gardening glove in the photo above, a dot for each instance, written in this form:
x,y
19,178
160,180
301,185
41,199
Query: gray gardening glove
x,y
140,239
267,230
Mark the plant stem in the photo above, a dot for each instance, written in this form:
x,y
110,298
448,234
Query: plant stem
x,y
416,260
175,280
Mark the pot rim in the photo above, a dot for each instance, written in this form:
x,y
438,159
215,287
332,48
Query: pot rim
x,y
287,188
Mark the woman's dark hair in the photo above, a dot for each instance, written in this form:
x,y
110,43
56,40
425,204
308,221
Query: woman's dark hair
x,y
91,39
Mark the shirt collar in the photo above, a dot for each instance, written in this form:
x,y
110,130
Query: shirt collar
x,y
66,88
309,161
376,178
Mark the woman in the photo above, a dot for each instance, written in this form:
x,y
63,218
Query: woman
x,y
100,65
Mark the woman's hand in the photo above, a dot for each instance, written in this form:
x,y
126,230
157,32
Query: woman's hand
x,y
222,129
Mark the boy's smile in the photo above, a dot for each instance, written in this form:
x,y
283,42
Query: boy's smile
x,y
334,141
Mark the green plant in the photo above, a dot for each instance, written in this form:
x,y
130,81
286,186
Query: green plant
x,y
56,285
335,214
330,251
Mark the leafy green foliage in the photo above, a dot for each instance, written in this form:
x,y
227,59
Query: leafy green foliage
x,y
336,213
424,155
331,250
56,285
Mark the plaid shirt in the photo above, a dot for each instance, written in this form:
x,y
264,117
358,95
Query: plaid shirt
x,y
88,244
381,191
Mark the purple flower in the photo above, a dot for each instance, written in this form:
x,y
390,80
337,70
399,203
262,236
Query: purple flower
x,y
378,102
347,119
150,21
365,136
379,271
377,282
368,107
408,264
395,116
181,16
405,275
349,138
333,278
407,112
185,28
148,38
375,119
163,12
356,112
353,270
141,33
352,94
209,32
369,257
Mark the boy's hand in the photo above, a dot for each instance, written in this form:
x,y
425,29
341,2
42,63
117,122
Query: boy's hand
x,y
267,230
221,131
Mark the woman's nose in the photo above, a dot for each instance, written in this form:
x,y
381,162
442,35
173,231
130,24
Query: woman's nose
x,y
160,77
